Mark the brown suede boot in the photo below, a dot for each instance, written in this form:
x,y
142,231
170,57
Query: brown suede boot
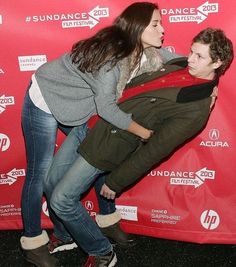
x,y
110,227
36,251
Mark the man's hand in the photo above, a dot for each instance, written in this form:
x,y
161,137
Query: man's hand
x,y
214,96
107,192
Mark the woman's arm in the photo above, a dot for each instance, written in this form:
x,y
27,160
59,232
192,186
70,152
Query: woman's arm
x,y
166,55
104,87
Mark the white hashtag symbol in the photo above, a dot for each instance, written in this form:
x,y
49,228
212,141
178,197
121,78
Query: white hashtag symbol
x,y
28,19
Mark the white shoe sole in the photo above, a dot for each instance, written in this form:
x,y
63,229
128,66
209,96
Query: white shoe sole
x,y
113,262
64,247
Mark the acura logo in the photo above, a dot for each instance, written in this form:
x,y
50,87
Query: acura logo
x,y
214,134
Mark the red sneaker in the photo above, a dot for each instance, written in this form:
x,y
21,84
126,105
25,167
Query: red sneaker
x,y
56,244
108,260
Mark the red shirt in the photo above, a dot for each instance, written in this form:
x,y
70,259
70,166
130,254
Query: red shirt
x,y
179,78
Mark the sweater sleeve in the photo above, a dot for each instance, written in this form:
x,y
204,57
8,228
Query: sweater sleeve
x,y
166,55
103,85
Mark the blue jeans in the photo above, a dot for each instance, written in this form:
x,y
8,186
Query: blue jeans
x,y
40,129
70,175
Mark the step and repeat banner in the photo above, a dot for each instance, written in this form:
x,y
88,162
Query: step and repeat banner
x,y
192,195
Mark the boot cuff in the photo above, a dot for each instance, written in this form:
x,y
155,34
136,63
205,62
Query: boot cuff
x,y
108,220
34,242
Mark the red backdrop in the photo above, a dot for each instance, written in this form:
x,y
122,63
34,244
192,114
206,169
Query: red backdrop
x,y
189,197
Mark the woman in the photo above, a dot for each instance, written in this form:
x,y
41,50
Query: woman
x,y
68,91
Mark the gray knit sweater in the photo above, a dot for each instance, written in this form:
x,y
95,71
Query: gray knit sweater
x,y
73,96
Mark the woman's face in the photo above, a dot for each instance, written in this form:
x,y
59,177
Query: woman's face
x,y
153,34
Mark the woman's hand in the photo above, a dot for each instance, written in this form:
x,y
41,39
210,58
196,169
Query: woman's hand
x,y
149,134
107,192
140,131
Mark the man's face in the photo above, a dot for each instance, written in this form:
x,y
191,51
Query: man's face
x,y
200,64
154,33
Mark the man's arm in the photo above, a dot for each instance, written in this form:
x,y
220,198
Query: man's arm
x,y
172,132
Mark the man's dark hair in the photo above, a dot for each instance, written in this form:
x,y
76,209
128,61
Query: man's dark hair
x,y
221,47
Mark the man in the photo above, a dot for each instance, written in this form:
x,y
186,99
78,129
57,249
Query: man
x,y
175,103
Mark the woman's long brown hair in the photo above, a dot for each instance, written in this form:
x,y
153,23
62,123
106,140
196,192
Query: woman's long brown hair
x,y
113,43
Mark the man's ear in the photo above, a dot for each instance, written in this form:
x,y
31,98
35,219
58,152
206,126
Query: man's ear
x,y
217,64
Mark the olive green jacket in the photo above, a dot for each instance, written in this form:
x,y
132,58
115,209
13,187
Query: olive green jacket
x,y
175,114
